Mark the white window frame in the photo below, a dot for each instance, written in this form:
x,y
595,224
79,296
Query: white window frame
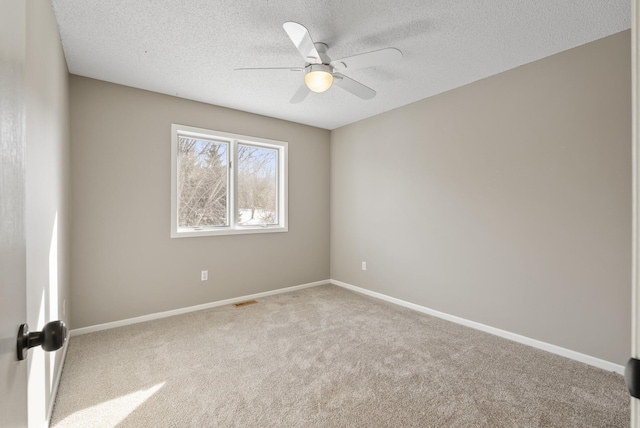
x,y
232,140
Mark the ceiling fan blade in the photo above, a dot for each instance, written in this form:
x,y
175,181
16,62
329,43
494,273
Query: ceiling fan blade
x,y
368,59
300,37
300,94
270,68
356,88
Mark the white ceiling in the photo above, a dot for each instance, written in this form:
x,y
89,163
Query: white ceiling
x,y
190,48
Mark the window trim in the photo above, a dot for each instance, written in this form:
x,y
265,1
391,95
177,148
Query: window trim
x,y
232,157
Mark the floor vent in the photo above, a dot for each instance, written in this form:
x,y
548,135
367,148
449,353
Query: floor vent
x,y
247,303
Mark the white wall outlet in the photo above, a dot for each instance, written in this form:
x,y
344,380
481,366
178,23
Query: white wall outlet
x,y
204,275
364,265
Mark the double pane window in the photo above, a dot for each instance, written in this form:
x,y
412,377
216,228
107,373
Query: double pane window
x,y
225,183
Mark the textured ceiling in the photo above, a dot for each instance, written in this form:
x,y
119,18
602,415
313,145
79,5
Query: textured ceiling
x,y
190,48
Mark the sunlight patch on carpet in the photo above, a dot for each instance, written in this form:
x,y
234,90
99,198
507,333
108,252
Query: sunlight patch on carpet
x,y
112,412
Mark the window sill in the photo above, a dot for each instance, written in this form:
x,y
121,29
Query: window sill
x,y
190,233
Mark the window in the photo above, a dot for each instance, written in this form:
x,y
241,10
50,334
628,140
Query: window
x,y
224,183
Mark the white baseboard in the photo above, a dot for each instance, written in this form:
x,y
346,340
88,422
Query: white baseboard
x,y
56,384
568,353
158,315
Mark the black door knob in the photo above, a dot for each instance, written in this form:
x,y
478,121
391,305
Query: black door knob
x,y
51,338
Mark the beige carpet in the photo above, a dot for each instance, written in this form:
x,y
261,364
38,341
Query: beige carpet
x,y
325,357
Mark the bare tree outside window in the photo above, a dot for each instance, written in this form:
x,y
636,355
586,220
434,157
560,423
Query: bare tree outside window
x,y
227,184
202,183
257,185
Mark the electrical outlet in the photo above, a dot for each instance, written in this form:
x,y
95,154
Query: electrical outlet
x,y
204,275
364,265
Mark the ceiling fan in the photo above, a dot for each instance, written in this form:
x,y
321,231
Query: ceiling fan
x,y
320,72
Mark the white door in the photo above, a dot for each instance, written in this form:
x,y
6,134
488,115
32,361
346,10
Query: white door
x,y
13,374
635,339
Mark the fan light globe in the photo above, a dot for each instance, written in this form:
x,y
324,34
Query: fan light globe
x,y
318,78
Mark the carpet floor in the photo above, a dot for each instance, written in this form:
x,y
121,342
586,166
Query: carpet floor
x,y
325,357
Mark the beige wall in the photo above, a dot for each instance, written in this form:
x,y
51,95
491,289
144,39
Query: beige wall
x,y
124,262
47,194
506,202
